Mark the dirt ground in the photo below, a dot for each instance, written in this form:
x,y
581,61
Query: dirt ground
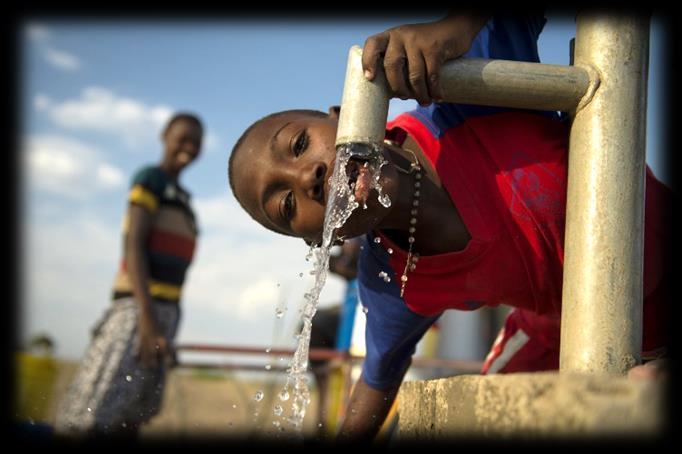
x,y
203,404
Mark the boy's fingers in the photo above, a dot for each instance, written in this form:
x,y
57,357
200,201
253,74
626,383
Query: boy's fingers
x,y
433,67
416,71
372,53
395,66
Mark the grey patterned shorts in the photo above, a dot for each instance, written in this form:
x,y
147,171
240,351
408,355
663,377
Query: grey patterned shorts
x,y
111,391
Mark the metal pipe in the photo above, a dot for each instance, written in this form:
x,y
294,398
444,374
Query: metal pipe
x,y
327,354
515,84
364,104
601,324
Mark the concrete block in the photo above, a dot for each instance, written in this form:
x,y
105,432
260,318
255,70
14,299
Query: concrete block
x,y
536,405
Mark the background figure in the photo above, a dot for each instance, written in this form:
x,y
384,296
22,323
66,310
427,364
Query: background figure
x,y
120,381
332,326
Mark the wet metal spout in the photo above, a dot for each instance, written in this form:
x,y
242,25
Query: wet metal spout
x,y
364,105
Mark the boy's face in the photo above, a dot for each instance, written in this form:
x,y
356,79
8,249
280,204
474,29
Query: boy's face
x,y
182,143
281,176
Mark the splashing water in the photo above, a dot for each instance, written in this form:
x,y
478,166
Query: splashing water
x,y
340,205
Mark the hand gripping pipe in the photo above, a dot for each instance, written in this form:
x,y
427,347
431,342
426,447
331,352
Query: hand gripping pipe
x,y
364,105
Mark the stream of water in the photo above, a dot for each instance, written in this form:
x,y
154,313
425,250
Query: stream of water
x,y
341,203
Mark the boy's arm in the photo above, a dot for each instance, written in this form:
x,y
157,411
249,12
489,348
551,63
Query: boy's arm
x,y
413,54
152,344
366,412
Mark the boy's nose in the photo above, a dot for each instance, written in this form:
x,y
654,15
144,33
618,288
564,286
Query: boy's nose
x,y
314,181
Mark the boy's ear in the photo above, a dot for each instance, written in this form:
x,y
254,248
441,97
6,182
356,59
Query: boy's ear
x,y
334,112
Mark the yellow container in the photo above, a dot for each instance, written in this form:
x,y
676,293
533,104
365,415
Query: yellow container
x,y
35,378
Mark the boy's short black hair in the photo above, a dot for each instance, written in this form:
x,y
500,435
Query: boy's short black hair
x,y
183,116
240,141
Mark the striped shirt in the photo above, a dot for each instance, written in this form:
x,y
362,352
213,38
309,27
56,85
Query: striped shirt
x,y
172,237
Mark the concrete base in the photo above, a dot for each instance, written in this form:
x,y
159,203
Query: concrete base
x,y
535,405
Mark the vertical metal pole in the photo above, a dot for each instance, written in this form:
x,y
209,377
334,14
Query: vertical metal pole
x,y
601,324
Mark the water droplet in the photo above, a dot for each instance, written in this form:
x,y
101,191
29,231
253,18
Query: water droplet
x,y
284,395
268,367
277,410
389,250
267,350
365,309
279,313
234,405
129,378
259,396
319,424
377,240
300,274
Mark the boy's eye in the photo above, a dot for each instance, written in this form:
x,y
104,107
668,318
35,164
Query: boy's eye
x,y
287,206
300,144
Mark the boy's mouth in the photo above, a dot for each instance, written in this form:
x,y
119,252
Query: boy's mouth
x,y
183,157
358,172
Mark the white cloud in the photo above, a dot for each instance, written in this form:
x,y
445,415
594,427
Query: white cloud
x,y
211,142
241,274
41,102
68,267
109,176
101,110
68,167
61,59
37,32
258,297
57,58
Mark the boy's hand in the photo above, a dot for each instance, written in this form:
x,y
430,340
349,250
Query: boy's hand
x,y
413,54
153,347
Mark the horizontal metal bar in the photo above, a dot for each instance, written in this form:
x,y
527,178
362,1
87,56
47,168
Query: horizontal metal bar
x,y
514,84
319,354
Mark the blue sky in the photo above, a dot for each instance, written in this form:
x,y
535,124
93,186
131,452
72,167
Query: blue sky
x,y
94,95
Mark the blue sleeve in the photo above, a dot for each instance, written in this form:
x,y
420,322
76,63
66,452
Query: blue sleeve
x,y
392,331
501,38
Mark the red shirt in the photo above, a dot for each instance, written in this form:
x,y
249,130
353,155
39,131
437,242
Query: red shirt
x,y
506,174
